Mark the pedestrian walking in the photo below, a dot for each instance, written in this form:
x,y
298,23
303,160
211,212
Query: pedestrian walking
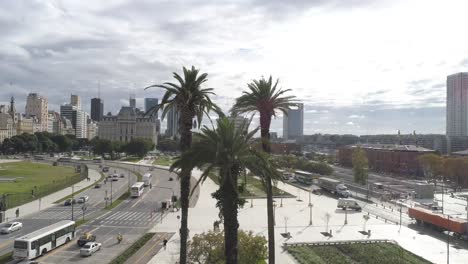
x,y
17,212
165,243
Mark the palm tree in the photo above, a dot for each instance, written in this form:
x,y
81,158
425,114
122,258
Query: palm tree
x,y
264,97
225,150
192,101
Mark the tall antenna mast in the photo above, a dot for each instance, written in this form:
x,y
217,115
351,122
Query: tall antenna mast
x,y
99,89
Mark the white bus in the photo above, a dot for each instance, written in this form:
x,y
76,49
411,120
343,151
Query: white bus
x,y
40,242
303,177
147,178
137,189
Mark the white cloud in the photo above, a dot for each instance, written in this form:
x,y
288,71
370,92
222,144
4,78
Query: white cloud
x,y
356,116
61,47
350,123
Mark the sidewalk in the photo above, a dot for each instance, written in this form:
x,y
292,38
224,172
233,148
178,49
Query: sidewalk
x,y
48,201
294,216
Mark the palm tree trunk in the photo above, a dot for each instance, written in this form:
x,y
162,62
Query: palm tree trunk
x,y
265,134
231,224
185,123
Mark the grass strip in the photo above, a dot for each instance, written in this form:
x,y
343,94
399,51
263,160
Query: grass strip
x,y
163,161
79,191
132,249
81,222
119,200
6,258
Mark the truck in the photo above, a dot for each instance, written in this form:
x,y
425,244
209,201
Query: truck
x,y
440,222
333,186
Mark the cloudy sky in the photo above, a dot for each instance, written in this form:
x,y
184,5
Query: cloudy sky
x,y
360,66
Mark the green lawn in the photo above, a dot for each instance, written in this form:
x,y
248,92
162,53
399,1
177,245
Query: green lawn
x,y
131,159
42,178
30,174
382,253
163,160
254,187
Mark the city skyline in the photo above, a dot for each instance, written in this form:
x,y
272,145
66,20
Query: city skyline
x,y
346,70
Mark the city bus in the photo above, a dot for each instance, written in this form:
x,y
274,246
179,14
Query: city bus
x,y
147,178
137,189
303,177
41,241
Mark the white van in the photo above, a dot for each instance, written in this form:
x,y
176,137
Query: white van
x,y
347,203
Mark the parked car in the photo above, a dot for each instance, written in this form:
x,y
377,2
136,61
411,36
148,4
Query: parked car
x,y
347,203
115,175
69,201
97,185
83,199
89,249
11,227
122,175
85,238
115,179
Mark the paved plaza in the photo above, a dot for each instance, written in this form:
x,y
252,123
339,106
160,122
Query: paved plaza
x,y
295,216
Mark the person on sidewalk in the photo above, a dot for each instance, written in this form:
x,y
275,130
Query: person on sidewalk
x,y
165,243
17,212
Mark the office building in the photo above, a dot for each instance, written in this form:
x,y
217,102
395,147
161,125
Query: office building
x,y
55,123
97,109
457,104
77,117
36,106
293,123
150,103
127,125
75,100
92,129
172,129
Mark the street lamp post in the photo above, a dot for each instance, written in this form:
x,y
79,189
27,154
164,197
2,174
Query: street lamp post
x,y
281,196
448,239
72,201
111,193
310,208
346,215
274,213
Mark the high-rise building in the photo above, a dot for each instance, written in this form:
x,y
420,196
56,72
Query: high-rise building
x,y
92,129
97,109
293,123
132,102
172,129
75,100
149,103
36,105
457,104
239,122
77,117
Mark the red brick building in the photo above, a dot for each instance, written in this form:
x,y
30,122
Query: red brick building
x,y
395,159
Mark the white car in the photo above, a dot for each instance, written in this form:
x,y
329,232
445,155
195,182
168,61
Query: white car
x,y
83,199
89,248
11,227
